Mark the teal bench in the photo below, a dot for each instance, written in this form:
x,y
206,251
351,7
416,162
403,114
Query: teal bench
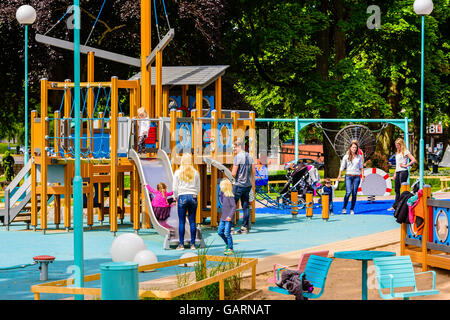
x,y
398,272
316,272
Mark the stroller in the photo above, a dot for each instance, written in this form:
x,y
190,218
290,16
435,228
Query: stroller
x,y
298,179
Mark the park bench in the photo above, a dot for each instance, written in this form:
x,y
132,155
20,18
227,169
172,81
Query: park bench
x,y
316,272
398,272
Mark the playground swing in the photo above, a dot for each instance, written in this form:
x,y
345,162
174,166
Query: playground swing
x,y
377,182
343,138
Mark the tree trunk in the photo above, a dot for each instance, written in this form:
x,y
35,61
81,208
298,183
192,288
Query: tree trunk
x,y
331,38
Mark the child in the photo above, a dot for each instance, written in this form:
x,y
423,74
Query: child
x,y
161,206
328,188
144,126
227,218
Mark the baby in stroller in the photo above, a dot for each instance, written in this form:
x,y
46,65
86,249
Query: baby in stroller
x,y
301,178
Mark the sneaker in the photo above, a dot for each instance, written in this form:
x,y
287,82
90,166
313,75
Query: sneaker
x,y
391,209
193,247
237,232
180,247
229,252
244,230
344,211
352,212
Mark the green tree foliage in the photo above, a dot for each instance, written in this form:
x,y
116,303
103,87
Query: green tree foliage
x,y
319,59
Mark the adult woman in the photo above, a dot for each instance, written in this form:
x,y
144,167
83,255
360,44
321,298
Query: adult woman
x,y
186,186
401,165
354,171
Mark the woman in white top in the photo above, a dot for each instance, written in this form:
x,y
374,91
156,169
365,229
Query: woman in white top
x,y
401,165
186,187
354,173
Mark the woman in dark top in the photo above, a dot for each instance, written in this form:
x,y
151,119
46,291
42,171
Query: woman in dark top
x,y
227,217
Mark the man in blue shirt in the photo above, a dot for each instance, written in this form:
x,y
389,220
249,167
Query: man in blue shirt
x,y
244,171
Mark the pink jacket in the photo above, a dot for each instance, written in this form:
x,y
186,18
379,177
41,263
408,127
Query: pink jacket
x,y
159,200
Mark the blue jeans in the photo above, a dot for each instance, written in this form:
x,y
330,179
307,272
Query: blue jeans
x,y
187,203
224,232
242,193
351,187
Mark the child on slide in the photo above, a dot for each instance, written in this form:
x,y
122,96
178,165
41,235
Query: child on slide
x,y
160,203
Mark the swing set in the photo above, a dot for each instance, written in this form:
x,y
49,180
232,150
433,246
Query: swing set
x,y
342,140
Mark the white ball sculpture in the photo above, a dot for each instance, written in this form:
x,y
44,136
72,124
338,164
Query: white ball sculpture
x,y
188,255
145,257
125,247
26,14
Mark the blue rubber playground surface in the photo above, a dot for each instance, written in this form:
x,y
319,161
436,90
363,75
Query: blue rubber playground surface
x,y
274,232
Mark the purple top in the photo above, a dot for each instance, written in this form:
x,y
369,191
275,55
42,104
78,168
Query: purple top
x,y
160,200
228,207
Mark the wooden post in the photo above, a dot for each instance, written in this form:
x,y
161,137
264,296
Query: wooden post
x,y
325,206
56,132
57,211
425,234
221,290
165,102
34,210
121,197
67,110
90,101
294,199
403,229
68,172
43,145
158,85
114,161
173,137
146,49
134,176
213,148
309,205
195,145
218,96
90,135
101,200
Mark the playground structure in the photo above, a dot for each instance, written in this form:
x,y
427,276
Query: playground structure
x,y
428,245
106,144
108,137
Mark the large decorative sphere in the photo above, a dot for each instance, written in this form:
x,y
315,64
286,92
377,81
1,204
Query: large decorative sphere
x,y
145,257
126,246
423,7
26,14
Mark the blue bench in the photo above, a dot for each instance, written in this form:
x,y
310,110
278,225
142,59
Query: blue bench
x,y
398,272
316,272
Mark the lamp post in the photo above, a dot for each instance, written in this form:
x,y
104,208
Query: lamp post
x,y
26,15
77,180
422,8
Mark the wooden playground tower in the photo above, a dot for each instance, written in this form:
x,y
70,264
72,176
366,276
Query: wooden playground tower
x,y
52,163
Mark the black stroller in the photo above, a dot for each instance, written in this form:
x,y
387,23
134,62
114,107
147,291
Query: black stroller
x,y
297,180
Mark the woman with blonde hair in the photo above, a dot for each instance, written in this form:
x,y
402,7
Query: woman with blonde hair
x,y
186,187
401,174
354,172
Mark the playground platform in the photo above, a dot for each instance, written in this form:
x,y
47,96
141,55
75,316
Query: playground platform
x,y
274,238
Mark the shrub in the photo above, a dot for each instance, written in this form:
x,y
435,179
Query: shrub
x,y
378,160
